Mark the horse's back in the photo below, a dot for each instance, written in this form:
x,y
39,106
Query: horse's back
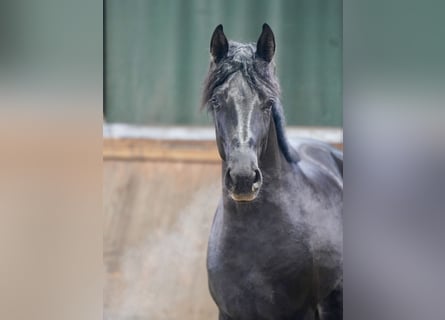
x,y
317,156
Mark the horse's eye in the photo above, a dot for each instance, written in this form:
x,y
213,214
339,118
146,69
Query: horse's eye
x,y
268,105
214,102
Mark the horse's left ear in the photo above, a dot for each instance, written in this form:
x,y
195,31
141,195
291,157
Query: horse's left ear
x,y
265,47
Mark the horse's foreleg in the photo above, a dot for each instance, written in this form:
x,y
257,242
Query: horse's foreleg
x,y
222,316
332,305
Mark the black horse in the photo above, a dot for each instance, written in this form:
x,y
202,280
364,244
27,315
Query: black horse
x,y
275,248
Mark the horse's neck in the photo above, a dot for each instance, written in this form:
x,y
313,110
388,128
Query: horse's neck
x,y
273,161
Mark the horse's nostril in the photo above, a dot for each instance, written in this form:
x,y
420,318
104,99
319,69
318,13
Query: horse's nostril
x,y
257,176
229,179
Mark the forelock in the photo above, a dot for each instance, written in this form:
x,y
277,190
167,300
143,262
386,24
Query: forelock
x,y
241,52
241,57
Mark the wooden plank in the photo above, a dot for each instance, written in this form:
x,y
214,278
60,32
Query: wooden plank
x,y
160,150
188,144
163,150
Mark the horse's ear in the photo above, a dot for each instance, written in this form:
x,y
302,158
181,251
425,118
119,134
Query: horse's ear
x,y
219,46
265,47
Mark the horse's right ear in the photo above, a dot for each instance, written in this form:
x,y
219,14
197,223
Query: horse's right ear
x,y
265,47
219,46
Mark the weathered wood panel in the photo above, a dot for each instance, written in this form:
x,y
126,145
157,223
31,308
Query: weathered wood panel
x,y
163,150
157,220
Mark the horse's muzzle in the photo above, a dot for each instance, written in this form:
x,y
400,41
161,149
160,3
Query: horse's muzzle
x,y
243,185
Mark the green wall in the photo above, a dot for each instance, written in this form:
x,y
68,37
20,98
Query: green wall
x,y
157,55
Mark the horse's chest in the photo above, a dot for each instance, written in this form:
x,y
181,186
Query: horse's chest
x,y
260,274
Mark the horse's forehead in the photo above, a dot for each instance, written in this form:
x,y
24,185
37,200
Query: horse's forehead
x,y
239,88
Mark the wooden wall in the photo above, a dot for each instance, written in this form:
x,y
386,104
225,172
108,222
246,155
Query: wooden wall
x,y
159,195
157,220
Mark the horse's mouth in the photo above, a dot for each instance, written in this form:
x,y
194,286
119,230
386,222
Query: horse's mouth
x,y
246,196
243,197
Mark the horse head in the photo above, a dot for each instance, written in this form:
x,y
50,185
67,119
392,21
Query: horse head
x,y
241,90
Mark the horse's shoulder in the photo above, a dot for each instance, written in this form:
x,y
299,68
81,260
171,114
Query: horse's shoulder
x,y
320,156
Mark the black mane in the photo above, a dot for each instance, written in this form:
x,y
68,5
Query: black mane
x,y
260,75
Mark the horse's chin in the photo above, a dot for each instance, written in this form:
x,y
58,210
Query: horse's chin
x,y
244,197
